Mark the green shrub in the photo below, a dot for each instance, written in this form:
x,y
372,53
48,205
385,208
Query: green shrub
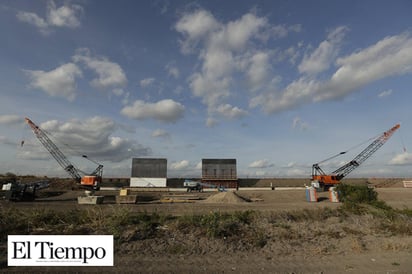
x,y
217,224
244,217
259,238
318,214
356,194
360,199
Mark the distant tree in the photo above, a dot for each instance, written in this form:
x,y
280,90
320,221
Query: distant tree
x,y
10,175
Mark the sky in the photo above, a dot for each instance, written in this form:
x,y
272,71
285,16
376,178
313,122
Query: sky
x,y
278,85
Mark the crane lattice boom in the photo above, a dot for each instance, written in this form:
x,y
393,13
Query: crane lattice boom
x,y
92,180
54,150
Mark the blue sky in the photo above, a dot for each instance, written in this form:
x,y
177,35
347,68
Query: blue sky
x,y
278,85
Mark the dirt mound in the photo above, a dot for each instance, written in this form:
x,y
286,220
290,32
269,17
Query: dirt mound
x,y
225,197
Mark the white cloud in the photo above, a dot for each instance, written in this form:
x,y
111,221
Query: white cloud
x,y
60,82
279,31
291,165
259,70
178,90
35,20
6,141
404,158
211,90
110,74
261,164
291,54
172,71
33,150
195,26
126,127
388,57
238,33
296,172
295,28
125,99
93,137
296,93
385,93
230,111
219,47
118,91
299,124
160,133
165,110
64,16
323,56
210,122
11,120
225,49
146,82
164,6
179,165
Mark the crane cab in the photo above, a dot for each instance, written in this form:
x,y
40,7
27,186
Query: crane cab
x,y
91,181
323,182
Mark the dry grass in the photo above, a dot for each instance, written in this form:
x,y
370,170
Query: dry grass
x,y
317,231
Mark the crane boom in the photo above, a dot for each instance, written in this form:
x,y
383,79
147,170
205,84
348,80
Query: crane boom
x,y
91,181
54,150
320,178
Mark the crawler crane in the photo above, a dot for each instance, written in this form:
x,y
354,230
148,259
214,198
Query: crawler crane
x,y
321,180
89,181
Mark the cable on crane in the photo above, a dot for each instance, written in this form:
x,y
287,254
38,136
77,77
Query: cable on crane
x,y
350,149
74,151
402,142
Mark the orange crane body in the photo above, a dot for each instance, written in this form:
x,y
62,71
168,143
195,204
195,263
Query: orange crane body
x,y
326,179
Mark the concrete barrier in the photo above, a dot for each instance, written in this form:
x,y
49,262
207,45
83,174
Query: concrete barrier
x,y
126,199
333,195
407,184
311,195
90,200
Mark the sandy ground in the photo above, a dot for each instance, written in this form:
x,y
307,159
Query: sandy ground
x,y
363,253
266,200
